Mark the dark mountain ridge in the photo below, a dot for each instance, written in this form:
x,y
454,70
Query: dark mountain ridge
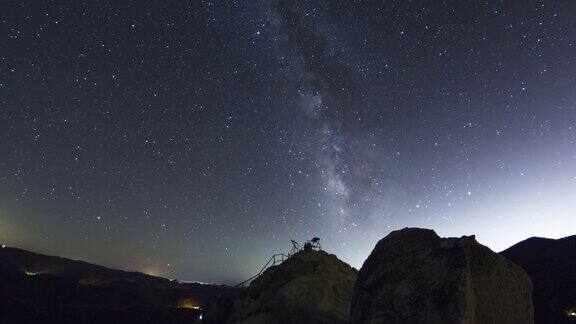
x,y
49,289
551,264
37,263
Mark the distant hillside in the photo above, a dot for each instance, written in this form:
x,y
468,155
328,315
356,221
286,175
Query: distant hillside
x,y
66,268
48,289
552,266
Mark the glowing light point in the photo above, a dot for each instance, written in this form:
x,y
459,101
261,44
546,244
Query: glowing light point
x,y
3,246
187,303
571,313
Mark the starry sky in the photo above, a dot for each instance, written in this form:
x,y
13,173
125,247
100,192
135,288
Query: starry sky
x,y
193,139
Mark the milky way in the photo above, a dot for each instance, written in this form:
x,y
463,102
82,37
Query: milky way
x,y
195,139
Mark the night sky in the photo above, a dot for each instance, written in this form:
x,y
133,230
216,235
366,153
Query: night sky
x,y
194,139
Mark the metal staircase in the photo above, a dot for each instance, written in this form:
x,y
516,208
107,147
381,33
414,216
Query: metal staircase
x,y
276,259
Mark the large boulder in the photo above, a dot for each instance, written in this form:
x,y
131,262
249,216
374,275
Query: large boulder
x,y
309,287
552,266
414,276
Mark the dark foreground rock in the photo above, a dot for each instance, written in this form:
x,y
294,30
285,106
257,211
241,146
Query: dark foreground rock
x,y
552,266
414,276
309,287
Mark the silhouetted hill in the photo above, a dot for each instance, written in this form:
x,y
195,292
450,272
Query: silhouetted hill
x,y
552,266
309,287
68,268
48,289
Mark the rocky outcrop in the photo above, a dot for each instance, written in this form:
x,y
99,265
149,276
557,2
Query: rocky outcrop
x,y
414,276
309,287
552,266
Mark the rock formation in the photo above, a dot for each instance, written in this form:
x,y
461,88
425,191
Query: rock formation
x,y
552,266
414,276
309,287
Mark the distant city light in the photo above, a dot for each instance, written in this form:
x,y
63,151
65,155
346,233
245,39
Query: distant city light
x,y
187,303
571,313
200,317
3,246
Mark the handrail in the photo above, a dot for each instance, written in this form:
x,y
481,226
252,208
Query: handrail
x,y
282,258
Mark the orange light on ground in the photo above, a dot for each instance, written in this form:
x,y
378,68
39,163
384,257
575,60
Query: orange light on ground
x,y
187,303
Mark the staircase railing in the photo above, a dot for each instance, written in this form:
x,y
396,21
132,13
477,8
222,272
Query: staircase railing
x,y
276,259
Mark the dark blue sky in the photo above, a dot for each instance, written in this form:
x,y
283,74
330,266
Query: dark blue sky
x,y
193,139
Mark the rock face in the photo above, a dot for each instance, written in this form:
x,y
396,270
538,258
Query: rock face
x,y
552,266
309,287
414,276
